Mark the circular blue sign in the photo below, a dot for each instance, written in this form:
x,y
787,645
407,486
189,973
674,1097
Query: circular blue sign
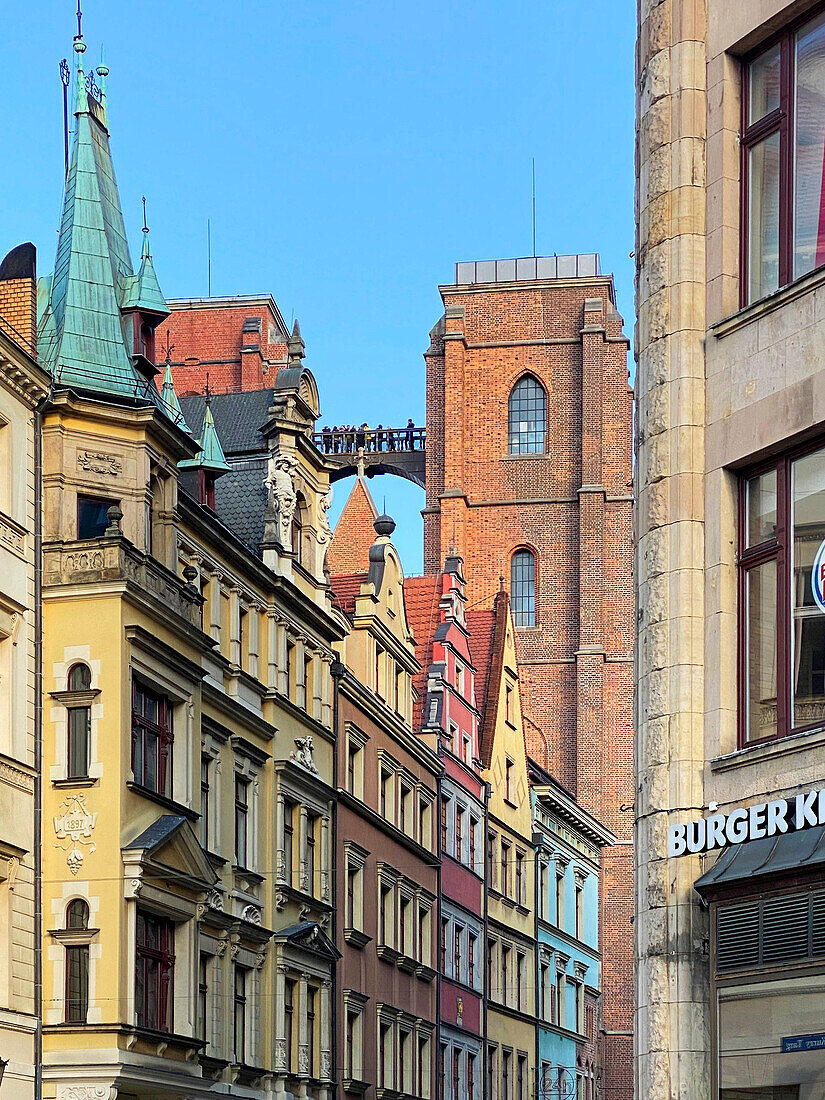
x,y
818,577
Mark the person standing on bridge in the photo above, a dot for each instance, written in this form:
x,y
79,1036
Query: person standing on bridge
x,y
390,439
326,436
360,437
350,437
409,434
379,438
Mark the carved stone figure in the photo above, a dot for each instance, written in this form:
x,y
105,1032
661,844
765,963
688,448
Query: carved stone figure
x,y
282,496
302,753
324,530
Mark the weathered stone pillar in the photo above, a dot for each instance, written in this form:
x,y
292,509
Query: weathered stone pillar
x,y
672,1023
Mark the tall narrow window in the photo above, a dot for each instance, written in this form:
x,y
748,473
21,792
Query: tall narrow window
x,y
445,810
523,588
289,832
241,821
151,739
472,948
783,148
206,765
312,1037
520,878
239,1002
154,971
527,417
80,724
289,1019
203,995
77,965
312,826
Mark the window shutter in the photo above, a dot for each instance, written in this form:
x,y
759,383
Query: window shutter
x,y
787,928
737,936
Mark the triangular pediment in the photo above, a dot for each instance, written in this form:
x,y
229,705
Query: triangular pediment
x,y
309,936
170,842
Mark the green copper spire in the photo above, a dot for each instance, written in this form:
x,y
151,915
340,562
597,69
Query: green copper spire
x,y
85,335
171,405
211,457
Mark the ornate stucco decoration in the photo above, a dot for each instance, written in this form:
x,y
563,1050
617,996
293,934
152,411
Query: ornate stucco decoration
x,y
97,462
282,496
302,754
73,827
324,535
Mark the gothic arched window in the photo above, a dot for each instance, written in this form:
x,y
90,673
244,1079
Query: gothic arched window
x,y
526,417
523,588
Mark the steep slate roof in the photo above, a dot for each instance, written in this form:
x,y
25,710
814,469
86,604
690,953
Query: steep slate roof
x,y
354,533
421,599
84,338
211,455
238,418
345,587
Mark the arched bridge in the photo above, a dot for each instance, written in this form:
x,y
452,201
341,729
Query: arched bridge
x,y
399,451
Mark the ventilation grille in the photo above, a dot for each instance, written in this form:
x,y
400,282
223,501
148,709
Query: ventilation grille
x,y
788,928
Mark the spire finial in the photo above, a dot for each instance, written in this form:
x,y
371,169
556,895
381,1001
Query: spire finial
x,y
501,582
79,35
145,226
207,392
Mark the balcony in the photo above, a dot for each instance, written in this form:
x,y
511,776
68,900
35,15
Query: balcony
x,y
115,559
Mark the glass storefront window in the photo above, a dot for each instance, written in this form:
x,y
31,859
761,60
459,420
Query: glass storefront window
x,y
767,1039
808,620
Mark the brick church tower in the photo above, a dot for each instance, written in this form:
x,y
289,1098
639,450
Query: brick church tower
x,y
529,473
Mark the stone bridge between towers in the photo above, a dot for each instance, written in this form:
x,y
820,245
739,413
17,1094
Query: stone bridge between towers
x,y
373,451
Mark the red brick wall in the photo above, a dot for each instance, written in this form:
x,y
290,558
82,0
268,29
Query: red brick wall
x,y
210,338
572,507
18,312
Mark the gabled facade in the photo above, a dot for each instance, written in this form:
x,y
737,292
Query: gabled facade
x,y
188,745
568,976
23,387
509,949
447,719
387,918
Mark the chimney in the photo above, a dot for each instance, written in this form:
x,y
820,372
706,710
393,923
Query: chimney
x,y
18,297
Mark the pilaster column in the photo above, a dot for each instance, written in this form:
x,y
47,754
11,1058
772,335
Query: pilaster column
x,y
325,1069
235,626
317,679
254,647
214,596
283,672
303,1033
300,672
326,689
272,620
280,1021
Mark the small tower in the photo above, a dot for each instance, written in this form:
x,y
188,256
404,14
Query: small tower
x,y
211,462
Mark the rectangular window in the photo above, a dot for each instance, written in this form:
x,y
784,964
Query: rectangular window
x,y
349,1046
424,835
312,1038
491,860
154,971
509,769
471,1075
352,753
203,995
384,914
352,878
92,518
458,933
445,813
459,832
404,808
782,595
472,949
559,898
404,1066
385,778
505,863
492,1072
505,974
239,1002
520,891
506,1074
206,764
456,1082
423,935
519,980
445,931
289,1020
491,968
521,1077
77,984
241,821
312,828
151,739
404,927
473,842
385,1055
783,140
579,910
79,733
289,832
423,1066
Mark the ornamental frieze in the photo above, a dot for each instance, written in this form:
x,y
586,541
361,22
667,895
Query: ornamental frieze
x,y
73,828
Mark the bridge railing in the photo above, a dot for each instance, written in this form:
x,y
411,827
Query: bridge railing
x,y
370,440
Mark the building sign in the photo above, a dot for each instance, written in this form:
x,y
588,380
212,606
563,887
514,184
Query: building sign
x,y
792,1044
783,815
818,577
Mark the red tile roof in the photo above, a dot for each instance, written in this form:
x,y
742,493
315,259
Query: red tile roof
x,y
488,632
421,597
345,587
481,626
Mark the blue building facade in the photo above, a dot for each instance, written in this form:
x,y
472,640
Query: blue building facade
x,y
568,842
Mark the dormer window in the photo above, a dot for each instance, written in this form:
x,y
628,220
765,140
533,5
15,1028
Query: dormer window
x,y
206,489
143,336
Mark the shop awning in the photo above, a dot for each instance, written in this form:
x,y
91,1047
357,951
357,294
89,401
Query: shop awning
x,y
799,851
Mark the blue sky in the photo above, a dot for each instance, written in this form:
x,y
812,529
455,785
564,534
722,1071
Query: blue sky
x,y
347,155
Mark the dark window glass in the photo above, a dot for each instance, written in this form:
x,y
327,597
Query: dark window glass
x,y
78,754
523,588
151,739
77,914
240,1014
289,1022
311,1036
92,520
289,811
154,971
77,984
203,995
80,678
527,417
206,764
241,821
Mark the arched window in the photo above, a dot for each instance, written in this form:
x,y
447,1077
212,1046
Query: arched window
x,y
77,964
526,417
297,527
79,724
523,588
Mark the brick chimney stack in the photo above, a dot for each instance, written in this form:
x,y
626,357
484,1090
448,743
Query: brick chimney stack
x,y
18,297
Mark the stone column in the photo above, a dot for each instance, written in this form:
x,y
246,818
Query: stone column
x,y
326,857
283,675
254,646
280,1021
280,863
317,687
272,620
303,1034
215,606
235,655
672,1023
325,1069
303,831
326,689
300,680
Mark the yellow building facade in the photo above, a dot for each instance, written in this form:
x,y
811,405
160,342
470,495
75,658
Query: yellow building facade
x,y
188,780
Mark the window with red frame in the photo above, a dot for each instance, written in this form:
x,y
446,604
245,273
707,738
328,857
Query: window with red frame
x,y
151,739
783,159
782,627
154,971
